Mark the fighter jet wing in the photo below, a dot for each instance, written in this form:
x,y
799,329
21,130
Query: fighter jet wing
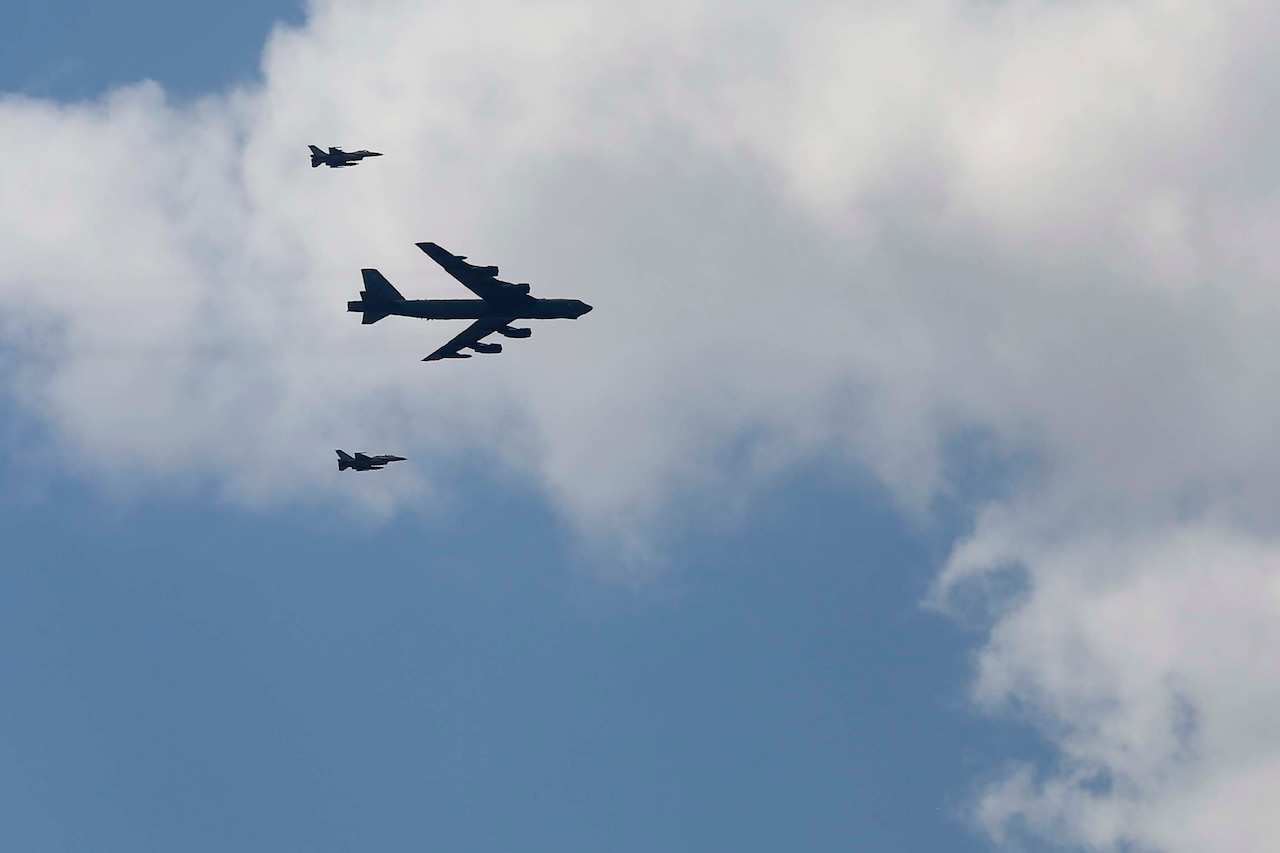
x,y
470,336
482,281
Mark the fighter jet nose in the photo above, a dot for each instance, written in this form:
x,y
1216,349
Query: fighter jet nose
x,y
584,309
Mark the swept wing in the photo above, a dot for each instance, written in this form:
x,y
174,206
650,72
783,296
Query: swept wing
x,y
482,281
471,336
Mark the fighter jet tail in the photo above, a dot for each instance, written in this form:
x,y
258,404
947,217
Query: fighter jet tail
x,y
344,461
317,156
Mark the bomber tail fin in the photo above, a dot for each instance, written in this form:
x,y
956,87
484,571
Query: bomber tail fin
x,y
377,299
378,289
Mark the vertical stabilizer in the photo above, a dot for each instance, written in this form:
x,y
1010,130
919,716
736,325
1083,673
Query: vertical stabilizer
x,y
378,289
378,299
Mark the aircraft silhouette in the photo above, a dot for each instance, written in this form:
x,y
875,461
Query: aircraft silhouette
x,y
360,462
336,158
500,303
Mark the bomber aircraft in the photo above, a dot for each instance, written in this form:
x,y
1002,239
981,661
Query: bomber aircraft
x,y
500,303
360,462
337,158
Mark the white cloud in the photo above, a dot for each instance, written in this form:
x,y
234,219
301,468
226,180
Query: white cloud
x,y
824,229
1148,658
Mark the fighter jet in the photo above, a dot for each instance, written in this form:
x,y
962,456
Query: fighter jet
x,y
337,158
500,303
360,462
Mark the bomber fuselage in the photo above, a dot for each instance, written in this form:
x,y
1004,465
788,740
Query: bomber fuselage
x,y
528,308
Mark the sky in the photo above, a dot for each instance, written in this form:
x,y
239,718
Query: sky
x,y
910,487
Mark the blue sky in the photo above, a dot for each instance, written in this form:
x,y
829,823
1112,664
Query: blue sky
x,y
81,49
182,676
189,678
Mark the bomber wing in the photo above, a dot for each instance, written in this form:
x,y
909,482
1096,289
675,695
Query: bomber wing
x,y
470,337
482,281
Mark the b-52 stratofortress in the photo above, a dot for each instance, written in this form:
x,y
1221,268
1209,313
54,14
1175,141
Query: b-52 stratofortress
x,y
337,158
360,462
500,303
